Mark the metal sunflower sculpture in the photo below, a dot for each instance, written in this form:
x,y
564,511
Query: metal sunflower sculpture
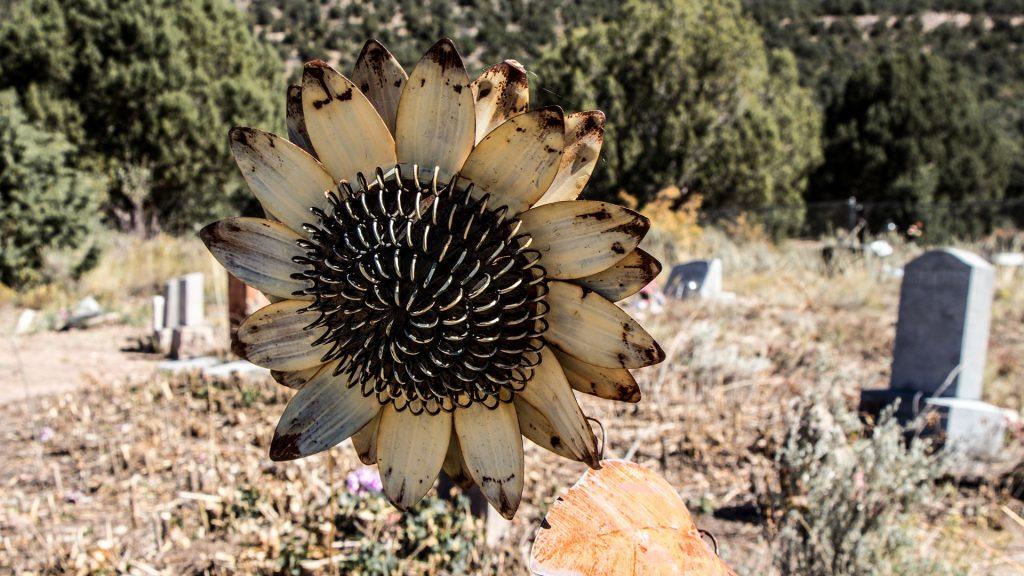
x,y
439,291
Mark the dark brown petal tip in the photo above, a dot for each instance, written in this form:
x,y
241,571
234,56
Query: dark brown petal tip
x,y
284,447
444,54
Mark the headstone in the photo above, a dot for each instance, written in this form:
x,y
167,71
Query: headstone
x,y
193,304
942,329
971,427
939,355
243,300
1009,259
700,278
172,303
192,341
158,313
25,320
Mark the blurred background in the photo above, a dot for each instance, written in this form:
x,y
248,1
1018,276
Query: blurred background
x,y
782,137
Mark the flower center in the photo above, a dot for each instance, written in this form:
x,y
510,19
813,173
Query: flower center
x,y
432,300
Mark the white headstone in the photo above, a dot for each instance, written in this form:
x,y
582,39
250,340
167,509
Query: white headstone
x,y
158,313
942,330
193,305
172,303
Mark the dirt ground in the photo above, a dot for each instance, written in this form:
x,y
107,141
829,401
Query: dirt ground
x,y
47,362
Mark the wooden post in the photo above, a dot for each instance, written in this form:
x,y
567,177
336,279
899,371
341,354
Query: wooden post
x,y
243,300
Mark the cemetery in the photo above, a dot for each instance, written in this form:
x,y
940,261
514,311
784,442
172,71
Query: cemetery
x,y
130,455
560,288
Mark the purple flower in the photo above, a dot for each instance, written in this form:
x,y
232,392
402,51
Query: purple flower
x,y
363,481
46,434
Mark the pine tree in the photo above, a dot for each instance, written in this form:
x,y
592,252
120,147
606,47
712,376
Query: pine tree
x,y
693,99
149,85
46,205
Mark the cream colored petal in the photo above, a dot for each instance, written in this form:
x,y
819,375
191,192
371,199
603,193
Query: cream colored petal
x,y
365,442
284,178
258,252
275,337
624,279
296,124
436,121
323,413
584,134
492,449
588,327
501,92
345,129
538,430
410,452
582,237
549,392
455,467
294,379
381,79
608,383
516,162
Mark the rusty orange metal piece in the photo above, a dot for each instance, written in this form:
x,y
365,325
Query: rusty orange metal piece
x,y
622,520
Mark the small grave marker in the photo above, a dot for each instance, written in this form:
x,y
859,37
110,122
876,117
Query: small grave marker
x,y
700,278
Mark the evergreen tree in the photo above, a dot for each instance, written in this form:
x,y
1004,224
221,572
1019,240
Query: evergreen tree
x,y
693,99
146,85
909,136
46,205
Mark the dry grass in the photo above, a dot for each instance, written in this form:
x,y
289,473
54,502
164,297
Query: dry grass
x,y
163,473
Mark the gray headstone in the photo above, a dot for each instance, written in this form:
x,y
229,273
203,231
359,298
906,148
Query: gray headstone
x,y
700,278
193,303
172,303
945,305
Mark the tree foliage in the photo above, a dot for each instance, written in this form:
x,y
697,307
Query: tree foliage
x,y
147,86
693,99
909,135
46,205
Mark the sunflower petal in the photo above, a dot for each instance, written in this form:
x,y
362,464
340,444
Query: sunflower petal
x,y
275,337
258,252
584,134
323,413
624,279
296,123
582,237
345,129
294,379
588,327
410,452
608,383
538,430
549,393
436,122
455,467
493,451
284,178
501,92
380,78
516,162
365,441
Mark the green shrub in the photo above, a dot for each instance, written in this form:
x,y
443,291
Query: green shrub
x,y
47,207
845,497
